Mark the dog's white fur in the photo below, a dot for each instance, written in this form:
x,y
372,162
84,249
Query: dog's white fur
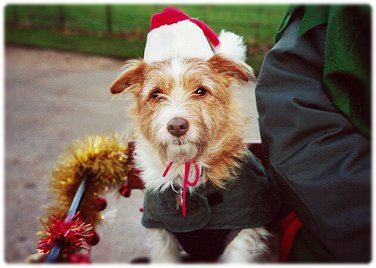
x,y
248,246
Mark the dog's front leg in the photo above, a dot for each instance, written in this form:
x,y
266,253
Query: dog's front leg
x,y
164,246
248,246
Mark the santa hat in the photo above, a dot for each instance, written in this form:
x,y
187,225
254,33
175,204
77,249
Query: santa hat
x,y
175,34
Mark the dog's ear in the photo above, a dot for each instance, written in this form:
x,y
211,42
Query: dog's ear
x,y
132,75
231,68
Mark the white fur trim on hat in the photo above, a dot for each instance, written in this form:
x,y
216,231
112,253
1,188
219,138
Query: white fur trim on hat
x,y
232,46
182,39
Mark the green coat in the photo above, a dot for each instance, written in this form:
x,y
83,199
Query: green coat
x,y
347,55
245,203
313,100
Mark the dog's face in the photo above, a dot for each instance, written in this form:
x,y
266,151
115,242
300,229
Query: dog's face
x,y
184,106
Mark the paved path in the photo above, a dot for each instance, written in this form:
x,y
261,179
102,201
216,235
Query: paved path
x,y
51,99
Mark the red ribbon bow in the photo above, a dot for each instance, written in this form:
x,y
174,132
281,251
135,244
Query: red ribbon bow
x,y
186,181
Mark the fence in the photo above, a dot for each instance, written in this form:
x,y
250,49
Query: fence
x,y
252,21
120,30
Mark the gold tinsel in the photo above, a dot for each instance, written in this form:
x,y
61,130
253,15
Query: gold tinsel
x,y
103,160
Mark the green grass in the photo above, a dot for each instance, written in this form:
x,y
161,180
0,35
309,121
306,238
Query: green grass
x,y
92,44
84,26
244,18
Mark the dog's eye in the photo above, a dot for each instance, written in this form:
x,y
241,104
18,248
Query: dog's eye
x,y
201,91
156,95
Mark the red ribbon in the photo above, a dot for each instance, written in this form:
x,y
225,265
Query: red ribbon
x,y
186,181
289,228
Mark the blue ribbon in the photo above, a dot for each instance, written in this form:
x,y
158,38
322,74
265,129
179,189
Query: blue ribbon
x,y
55,251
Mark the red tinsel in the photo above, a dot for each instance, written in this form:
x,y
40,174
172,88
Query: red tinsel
x,y
79,258
125,190
100,203
71,235
93,239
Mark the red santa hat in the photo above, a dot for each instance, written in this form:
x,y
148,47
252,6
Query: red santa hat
x,y
175,34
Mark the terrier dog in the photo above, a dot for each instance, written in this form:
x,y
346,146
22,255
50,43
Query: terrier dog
x,y
191,153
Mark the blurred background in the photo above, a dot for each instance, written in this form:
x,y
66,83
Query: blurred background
x,y
59,63
120,30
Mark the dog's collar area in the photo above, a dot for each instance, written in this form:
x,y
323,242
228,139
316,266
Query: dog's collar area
x,y
186,181
175,186
213,198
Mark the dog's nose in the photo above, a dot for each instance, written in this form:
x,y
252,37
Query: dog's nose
x,y
178,127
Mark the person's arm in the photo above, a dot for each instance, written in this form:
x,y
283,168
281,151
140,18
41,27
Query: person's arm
x,y
318,158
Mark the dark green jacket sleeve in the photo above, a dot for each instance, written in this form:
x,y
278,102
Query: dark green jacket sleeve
x,y
319,159
347,55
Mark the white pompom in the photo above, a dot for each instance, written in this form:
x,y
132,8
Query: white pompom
x,y
232,46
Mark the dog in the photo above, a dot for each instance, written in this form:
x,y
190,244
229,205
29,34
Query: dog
x,y
191,153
